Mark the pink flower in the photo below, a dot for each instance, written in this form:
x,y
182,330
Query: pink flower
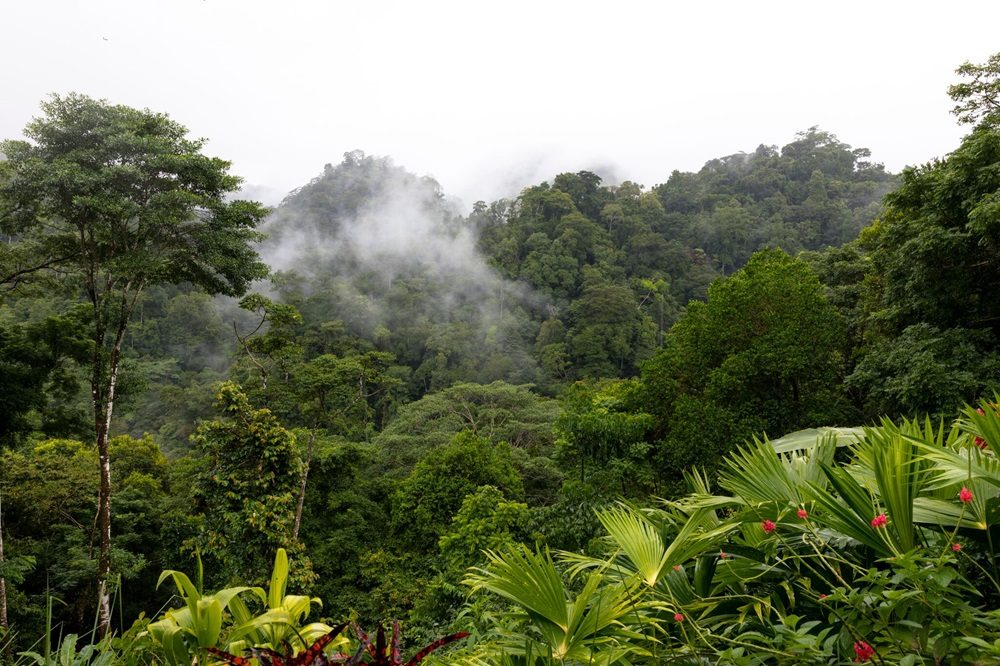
x,y
768,526
957,547
678,617
864,651
965,495
802,514
879,521
822,596
723,554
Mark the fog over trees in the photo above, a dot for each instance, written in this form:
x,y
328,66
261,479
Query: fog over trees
x,y
711,416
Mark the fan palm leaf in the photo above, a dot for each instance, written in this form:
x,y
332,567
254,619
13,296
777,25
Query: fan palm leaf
x,y
587,627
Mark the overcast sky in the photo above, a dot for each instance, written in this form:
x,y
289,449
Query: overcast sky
x,y
487,97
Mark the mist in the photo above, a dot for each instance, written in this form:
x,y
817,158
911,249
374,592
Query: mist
x,y
382,249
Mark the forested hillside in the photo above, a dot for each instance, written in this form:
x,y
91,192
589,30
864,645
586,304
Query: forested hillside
x,y
414,396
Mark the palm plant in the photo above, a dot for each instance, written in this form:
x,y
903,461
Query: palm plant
x,y
802,539
553,623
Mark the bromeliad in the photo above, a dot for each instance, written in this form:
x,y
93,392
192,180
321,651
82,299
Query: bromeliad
x,y
311,656
394,657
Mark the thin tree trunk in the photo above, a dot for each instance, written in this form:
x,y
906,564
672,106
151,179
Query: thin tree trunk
x,y
302,484
104,412
104,494
3,581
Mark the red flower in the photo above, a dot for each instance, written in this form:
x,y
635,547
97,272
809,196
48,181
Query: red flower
x,y
879,521
980,442
678,617
864,651
965,495
677,567
802,514
822,596
957,547
768,526
723,554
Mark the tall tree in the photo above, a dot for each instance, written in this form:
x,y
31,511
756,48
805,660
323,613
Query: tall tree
x,y
763,354
933,264
246,489
118,199
978,98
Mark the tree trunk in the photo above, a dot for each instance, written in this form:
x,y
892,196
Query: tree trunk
x,y
104,494
3,581
302,484
103,410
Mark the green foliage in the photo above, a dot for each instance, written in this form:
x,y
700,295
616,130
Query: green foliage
x,y
68,655
134,181
246,489
49,502
394,500
486,521
596,429
552,622
933,318
812,559
816,191
569,522
931,251
38,378
609,335
282,621
184,634
112,199
424,503
978,100
926,370
497,411
764,354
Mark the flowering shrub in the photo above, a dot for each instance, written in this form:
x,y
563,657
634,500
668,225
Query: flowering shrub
x,y
864,651
842,584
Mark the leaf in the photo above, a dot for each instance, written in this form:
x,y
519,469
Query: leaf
x,y
279,579
450,638
804,440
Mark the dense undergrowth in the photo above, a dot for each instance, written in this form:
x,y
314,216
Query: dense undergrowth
x,y
823,547
539,431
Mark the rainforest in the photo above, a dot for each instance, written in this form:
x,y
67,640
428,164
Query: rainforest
x,y
748,415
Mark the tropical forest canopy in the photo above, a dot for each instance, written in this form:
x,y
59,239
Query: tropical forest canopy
x,y
408,411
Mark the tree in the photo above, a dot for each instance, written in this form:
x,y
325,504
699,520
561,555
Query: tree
x,y
119,199
978,100
765,353
497,411
425,502
38,383
926,370
934,251
610,334
596,427
933,318
335,394
247,488
50,499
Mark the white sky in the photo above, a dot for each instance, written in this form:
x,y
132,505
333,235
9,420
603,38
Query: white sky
x,y
490,96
